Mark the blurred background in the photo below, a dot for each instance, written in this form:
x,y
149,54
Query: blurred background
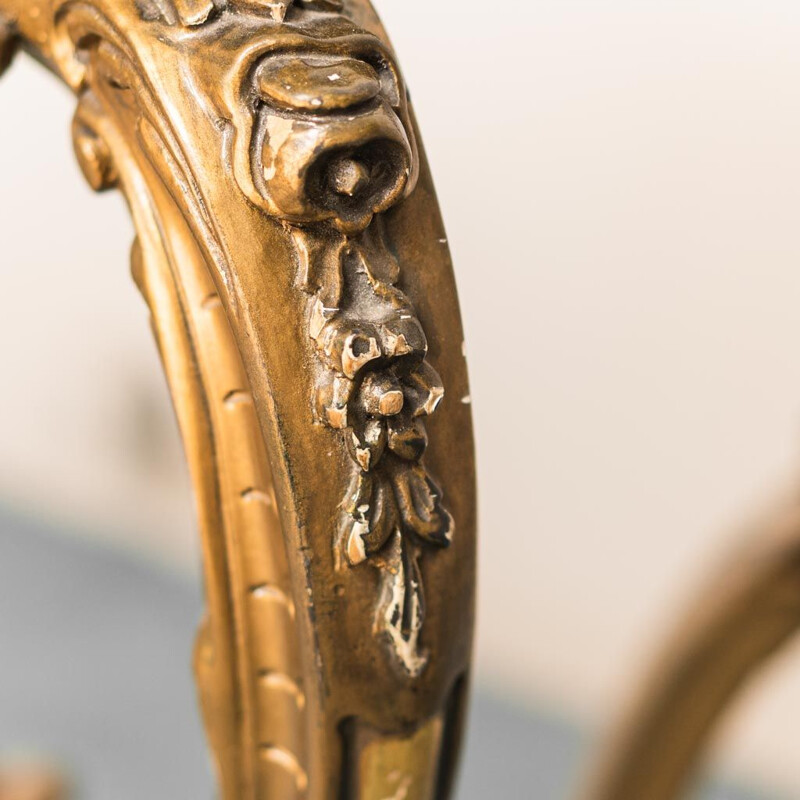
x,y
621,185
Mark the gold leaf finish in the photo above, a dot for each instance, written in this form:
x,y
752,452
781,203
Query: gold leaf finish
x,y
289,247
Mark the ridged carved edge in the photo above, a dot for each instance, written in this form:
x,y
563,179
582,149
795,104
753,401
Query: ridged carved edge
x,y
252,692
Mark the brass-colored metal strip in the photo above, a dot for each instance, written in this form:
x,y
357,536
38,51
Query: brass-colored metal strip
x,y
407,767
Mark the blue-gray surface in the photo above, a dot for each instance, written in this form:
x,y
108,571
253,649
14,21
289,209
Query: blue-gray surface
x,y
94,653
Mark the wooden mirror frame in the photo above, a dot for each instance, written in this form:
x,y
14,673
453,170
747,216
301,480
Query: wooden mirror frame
x,y
292,253
290,248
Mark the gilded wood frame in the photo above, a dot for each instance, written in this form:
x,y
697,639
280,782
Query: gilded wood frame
x,y
291,250
289,245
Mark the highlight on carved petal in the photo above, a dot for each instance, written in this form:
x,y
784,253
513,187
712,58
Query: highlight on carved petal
x,y
350,344
423,390
276,9
367,443
402,335
194,12
348,347
381,394
316,82
332,399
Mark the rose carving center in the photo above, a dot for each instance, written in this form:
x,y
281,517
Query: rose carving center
x,y
329,144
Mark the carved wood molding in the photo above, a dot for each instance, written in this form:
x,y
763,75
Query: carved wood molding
x,y
292,255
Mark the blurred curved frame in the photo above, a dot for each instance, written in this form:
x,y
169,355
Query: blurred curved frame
x,y
742,617
291,251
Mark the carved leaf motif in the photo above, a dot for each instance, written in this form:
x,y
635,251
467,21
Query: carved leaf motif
x,y
403,606
369,519
419,501
376,257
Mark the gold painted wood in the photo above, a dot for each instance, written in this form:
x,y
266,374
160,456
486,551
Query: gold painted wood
x,y
31,783
744,615
290,248
291,252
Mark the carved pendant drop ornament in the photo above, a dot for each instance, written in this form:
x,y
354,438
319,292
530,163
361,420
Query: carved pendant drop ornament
x,y
377,387
332,149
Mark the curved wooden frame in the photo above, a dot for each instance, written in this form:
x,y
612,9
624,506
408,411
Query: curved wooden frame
x,y
745,614
292,254
294,260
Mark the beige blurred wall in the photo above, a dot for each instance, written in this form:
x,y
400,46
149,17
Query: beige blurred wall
x,y
87,434
621,184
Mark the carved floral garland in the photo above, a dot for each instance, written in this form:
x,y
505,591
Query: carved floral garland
x,y
377,388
